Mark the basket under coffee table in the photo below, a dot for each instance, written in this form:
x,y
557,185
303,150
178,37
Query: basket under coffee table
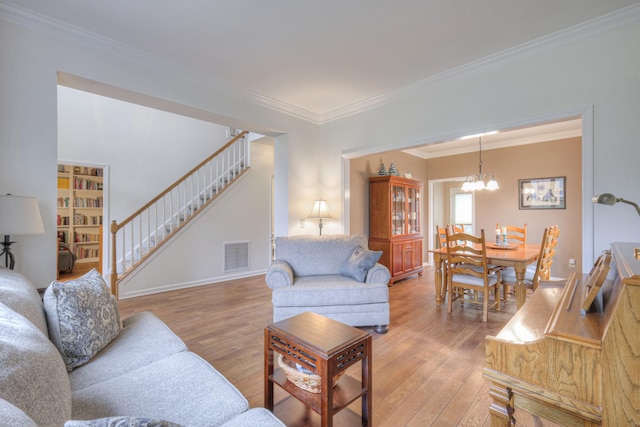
x,y
326,348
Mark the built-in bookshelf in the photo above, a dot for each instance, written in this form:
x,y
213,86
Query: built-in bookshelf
x,y
80,210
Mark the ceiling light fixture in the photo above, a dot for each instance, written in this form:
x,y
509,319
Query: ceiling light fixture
x,y
477,181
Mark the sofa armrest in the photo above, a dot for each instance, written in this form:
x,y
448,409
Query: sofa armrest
x,y
279,275
378,274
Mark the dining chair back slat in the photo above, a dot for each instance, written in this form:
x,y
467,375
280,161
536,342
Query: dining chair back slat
x,y
514,232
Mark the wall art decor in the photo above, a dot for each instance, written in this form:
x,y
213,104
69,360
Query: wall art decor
x,y
542,193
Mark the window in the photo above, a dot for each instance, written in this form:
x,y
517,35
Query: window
x,y
461,207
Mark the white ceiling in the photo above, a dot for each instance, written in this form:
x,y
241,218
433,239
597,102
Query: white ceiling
x,y
318,59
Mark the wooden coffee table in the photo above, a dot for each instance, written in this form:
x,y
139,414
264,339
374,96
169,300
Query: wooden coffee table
x,y
327,348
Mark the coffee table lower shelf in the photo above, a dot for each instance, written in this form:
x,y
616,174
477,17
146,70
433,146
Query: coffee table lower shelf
x,y
346,391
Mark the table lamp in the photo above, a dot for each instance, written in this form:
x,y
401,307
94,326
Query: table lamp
x,y
320,211
18,215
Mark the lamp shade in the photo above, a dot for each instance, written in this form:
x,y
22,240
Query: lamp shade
x,y
19,215
320,210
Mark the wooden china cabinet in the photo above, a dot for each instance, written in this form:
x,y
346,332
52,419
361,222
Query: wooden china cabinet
x,y
394,224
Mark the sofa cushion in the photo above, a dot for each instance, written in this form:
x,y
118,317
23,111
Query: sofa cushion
x,y
144,339
182,388
329,290
120,422
317,255
32,374
256,417
81,317
359,263
22,297
11,415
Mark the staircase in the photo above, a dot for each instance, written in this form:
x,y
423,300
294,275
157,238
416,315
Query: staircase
x,y
136,238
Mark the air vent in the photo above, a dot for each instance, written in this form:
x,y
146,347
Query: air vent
x,y
236,256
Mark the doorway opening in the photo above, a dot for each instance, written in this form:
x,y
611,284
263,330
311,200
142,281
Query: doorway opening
x,y
80,219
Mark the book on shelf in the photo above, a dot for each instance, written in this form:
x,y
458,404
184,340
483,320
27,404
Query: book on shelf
x,y
63,236
63,220
84,253
89,171
86,184
87,202
63,182
87,238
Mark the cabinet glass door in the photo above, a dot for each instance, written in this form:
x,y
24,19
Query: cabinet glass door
x,y
413,210
398,219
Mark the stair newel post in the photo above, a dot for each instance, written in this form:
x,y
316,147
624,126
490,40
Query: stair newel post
x,y
114,262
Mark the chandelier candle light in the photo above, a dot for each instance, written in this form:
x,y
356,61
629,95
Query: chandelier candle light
x,y
477,181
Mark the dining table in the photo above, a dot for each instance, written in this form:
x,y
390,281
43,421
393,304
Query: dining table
x,y
516,256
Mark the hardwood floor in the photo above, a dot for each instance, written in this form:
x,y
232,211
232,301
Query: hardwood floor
x,y
79,269
427,370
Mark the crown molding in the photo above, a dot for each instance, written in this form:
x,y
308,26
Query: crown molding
x,y
604,23
78,36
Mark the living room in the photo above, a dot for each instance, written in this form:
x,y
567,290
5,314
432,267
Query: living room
x,y
589,72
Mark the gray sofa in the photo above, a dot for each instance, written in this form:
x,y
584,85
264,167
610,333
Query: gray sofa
x,y
140,374
335,276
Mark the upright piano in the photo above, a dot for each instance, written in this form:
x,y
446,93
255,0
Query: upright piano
x,y
571,354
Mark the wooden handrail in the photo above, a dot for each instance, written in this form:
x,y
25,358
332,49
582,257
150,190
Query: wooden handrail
x,y
177,182
115,227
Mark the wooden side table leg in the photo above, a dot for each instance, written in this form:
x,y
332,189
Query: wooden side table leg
x,y
367,398
326,407
268,372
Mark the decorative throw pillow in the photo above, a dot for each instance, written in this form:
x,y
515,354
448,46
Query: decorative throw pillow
x,y
81,317
359,263
120,422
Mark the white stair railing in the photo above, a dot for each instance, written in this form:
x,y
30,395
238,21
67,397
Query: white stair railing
x,y
137,237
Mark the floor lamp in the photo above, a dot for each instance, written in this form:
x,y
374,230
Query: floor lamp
x,y
320,211
610,200
18,215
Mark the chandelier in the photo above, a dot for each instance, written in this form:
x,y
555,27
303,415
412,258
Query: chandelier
x,y
477,181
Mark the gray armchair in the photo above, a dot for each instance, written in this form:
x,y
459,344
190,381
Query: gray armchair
x,y
335,276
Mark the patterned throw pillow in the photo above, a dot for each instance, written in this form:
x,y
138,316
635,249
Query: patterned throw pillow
x,y
359,263
81,316
121,422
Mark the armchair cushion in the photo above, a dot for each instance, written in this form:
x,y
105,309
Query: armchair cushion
x,y
359,263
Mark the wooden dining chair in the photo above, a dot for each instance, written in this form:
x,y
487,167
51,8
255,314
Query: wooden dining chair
x,y
441,234
519,234
468,270
542,269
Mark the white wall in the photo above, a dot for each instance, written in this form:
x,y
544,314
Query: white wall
x,y
600,71
146,149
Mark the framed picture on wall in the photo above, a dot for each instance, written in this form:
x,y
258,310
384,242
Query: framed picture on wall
x,y
542,193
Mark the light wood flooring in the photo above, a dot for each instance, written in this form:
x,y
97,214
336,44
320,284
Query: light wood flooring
x,y
427,370
79,269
